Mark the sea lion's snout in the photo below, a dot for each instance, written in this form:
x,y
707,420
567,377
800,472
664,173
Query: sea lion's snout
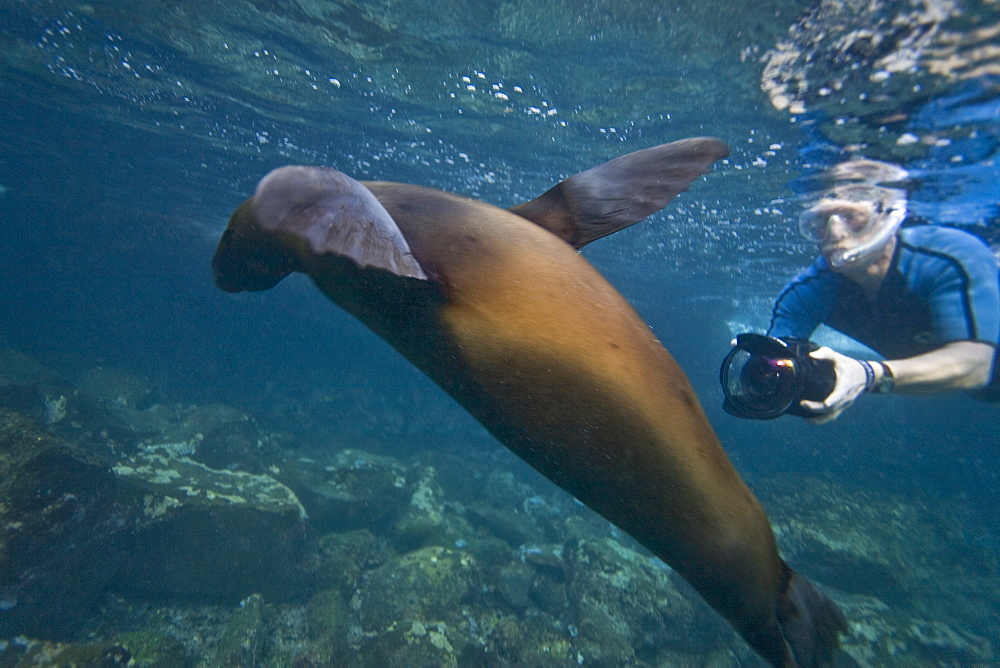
x,y
248,259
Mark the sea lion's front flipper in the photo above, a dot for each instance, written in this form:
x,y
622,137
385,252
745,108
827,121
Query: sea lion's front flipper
x,y
326,212
619,193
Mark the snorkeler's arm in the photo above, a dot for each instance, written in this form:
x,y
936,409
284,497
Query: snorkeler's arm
x,y
958,274
959,365
799,308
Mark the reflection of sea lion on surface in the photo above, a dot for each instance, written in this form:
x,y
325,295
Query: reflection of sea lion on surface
x,y
501,311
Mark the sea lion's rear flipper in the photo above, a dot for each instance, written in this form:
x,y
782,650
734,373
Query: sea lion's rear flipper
x,y
325,212
810,622
619,193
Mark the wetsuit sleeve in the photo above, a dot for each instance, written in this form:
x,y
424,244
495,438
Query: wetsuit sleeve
x,y
964,296
796,312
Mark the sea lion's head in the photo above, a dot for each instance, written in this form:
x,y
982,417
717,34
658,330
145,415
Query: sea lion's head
x,y
250,257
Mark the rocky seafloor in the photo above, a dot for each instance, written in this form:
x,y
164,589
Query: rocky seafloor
x,y
149,534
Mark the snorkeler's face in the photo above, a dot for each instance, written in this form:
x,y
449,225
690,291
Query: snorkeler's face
x,y
851,223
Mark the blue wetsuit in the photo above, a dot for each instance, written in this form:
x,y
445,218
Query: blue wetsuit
x,y
942,286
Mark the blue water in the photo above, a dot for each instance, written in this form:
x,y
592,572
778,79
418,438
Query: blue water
x,y
129,132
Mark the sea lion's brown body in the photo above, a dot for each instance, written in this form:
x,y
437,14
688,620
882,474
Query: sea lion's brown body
x,y
551,359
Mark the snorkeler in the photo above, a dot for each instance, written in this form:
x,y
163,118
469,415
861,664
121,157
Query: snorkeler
x,y
927,298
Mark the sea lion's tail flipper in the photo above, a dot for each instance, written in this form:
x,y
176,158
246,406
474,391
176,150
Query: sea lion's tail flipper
x,y
619,193
299,215
810,622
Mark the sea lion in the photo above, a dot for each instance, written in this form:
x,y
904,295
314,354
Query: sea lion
x,y
499,309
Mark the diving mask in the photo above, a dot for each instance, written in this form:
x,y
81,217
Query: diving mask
x,y
869,214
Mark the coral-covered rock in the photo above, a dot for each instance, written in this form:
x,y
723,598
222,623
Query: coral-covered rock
x,y
225,438
199,532
427,584
353,489
411,643
73,528
423,519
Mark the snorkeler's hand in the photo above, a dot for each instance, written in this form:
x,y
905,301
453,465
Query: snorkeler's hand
x,y
851,380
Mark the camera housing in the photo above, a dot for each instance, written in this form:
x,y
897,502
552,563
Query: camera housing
x,y
765,377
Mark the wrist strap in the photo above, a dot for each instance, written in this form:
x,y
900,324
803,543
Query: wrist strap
x,y
887,381
869,374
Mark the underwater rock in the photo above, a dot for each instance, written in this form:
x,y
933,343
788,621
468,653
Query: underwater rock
x,y
871,543
344,558
203,533
114,386
903,565
59,528
423,520
410,643
514,585
428,584
207,418
354,489
548,559
567,594
881,636
525,639
242,643
326,623
16,368
321,637
492,552
138,649
152,650
550,596
25,652
628,607
110,429
27,387
113,406
530,517
227,439
503,486
504,522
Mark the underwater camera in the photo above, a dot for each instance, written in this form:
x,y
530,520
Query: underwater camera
x,y
764,377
